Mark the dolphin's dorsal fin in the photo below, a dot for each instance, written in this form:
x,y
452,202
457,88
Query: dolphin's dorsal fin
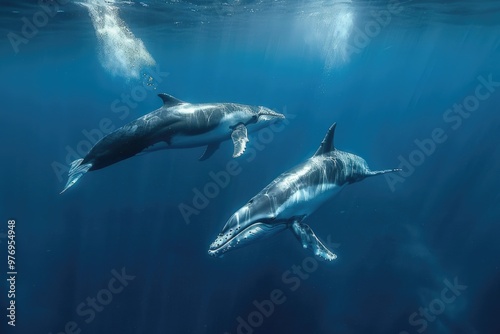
x,y
169,100
327,143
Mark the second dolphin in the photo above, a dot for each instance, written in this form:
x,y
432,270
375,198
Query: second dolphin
x,y
177,124
293,196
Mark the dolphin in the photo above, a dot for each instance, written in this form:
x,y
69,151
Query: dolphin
x,y
176,124
293,196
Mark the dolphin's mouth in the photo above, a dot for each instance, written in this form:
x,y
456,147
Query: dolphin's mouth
x,y
268,112
227,241
224,241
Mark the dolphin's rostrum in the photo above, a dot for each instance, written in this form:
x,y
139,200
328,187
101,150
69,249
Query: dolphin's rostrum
x,y
293,196
176,124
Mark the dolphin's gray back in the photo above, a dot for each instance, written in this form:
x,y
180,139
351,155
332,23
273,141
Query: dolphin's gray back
x,y
344,168
199,118
336,167
309,184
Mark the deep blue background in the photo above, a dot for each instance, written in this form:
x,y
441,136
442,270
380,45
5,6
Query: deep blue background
x,y
396,247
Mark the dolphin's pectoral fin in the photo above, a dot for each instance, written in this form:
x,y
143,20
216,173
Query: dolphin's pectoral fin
x,y
211,148
240,139
309,240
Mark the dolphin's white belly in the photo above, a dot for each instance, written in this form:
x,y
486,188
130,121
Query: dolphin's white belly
x,y
306,200
182,140
215,135
219,133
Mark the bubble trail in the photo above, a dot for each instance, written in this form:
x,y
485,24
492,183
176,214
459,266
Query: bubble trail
x,y
120,52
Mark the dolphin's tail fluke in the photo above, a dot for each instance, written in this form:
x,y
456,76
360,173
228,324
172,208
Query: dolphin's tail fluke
x,y
385,171
76,171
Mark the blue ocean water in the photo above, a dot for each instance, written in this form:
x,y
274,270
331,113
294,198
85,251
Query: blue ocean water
x,y
414,84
